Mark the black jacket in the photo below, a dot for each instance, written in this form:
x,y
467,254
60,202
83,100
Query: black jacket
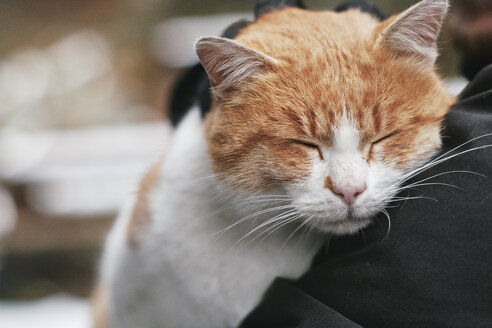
x,y
434,269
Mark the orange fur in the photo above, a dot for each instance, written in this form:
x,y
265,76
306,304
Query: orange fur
x,y
140,215
326,60
99,307
140,218
328,183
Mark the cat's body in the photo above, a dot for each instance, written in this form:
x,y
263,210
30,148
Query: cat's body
x,y
182,273
315,123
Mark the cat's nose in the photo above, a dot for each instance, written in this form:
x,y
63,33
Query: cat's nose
x,y
348,193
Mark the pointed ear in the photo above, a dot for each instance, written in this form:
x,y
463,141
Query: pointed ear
x,y
415,31
228,63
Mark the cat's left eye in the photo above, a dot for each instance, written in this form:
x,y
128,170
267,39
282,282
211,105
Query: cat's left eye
x,y
383,138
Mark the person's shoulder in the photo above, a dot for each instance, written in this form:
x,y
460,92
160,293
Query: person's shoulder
x,y
480,85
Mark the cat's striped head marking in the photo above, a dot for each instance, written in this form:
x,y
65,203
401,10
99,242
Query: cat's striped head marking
x,y
331,108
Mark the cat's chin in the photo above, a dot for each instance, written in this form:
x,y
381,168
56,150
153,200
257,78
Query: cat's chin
x,y
341,220
343,227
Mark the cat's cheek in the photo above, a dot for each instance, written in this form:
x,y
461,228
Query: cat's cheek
x,y
382,185
426,145
261,169
411,149
291,173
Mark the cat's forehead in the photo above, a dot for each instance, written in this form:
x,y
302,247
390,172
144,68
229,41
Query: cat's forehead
x,y
326,47
330,68
286,32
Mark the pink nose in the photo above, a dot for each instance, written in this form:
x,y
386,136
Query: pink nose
x,y
348,193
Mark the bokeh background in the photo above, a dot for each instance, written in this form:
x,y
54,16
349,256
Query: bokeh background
x,y
84,86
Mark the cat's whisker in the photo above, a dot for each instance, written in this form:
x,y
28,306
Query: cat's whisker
x,y
432,184
302,224
399,199
268,201
405,198
463,144
261,204
363,236
422,183
266,223
389,222
278,225
253,215
247,198
431,164
442,158
262,200
394,206
313,224
267,195
444,173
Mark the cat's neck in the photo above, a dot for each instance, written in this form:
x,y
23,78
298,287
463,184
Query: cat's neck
x,y
199,243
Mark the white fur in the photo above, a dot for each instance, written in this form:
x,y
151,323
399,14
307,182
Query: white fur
x,y
344,163
183,274
193,265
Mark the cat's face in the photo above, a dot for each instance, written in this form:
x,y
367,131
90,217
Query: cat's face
x,y
324,108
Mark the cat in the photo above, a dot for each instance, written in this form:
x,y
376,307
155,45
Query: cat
x,y
316,118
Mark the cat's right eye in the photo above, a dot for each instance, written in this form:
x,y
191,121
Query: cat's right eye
x,y
309,145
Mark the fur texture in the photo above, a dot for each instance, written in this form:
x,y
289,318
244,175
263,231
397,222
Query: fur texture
x,y
335,99
316,118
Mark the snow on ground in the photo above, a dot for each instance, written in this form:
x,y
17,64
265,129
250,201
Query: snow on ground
x,y
58,311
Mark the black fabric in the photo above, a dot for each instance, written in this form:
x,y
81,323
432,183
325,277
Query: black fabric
x,y
479,88
434,269
309,312
184,92
265,6
471,64
362,6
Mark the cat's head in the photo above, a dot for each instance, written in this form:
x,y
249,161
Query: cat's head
x,y
329,108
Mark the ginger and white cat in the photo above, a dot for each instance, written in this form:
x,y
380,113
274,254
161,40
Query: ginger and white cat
x,y
316,118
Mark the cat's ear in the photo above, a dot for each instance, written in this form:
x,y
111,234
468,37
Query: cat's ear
x,y
228,62
415,31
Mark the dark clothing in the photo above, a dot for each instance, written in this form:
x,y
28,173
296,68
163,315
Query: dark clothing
x,y
434,269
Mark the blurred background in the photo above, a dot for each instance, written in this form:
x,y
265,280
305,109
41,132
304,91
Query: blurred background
x,y
84,86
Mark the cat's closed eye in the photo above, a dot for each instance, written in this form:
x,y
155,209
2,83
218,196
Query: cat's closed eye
x,y
378,142
309,145
383,138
